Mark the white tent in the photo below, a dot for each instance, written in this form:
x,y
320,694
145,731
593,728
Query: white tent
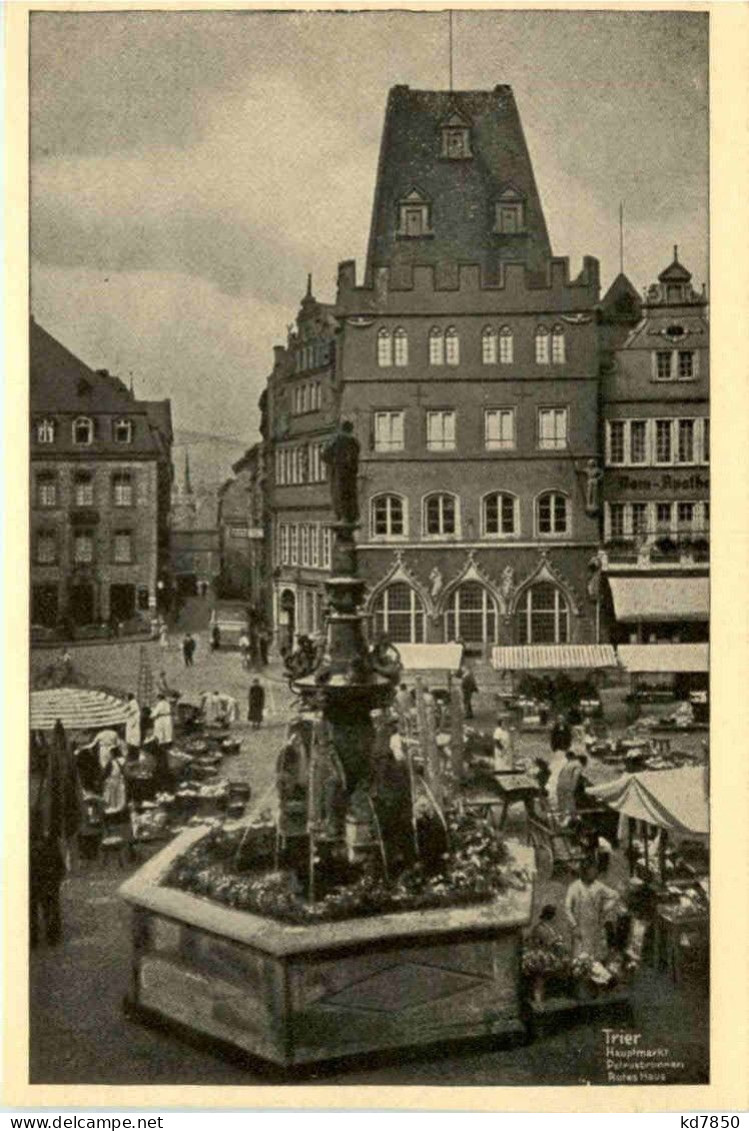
x,y
430,657
675,800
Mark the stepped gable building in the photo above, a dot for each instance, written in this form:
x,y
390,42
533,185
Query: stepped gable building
x,y
300,407
100,485
468,363
656,408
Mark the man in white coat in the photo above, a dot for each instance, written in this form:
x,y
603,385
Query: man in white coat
x,y
588,905
161,717
132,724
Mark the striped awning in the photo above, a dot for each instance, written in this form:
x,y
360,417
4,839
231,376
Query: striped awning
x,y
661,598
553,657
77,708
664,657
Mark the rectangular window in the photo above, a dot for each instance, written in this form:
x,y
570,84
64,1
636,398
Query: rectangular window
x,y
499,428
388,431
83,547
685,517
637,441
706,440
46,491
46,547
616,441
441,431
122,493
663,365
45,431
123,546
327,538
558,354
84,491
542,349
505,347
685,449
552,428
705,517
663,518
616,520
314,544
489,347
285,543
639,518
686,365
294,543
663,441
305,544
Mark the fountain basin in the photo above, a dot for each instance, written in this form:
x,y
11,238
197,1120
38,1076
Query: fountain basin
x,y
299,994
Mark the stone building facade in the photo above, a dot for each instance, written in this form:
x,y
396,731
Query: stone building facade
x,y
241,524
656,439
100,483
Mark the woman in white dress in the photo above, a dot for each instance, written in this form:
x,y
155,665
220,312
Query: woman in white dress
x,y
132,723
161,717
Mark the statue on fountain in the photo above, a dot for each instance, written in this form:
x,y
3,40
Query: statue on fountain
x,y
341,455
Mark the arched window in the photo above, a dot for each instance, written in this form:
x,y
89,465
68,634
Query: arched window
x,y
552,513
557,345
436,346
439,515
488,346
123,431
399,614
505,346
387,516
384,348
471,615
83,430
400,341
452,346
542,346
543,615
500,514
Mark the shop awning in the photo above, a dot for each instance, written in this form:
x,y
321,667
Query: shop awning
x,y
553,657
77,708
430,657
661,598
672,799
642,658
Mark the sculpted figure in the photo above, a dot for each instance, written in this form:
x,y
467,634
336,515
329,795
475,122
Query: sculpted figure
x,y
341,455
593,477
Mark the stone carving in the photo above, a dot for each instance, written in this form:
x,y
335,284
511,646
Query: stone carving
x,y
507,584
341,455
593,477
436,582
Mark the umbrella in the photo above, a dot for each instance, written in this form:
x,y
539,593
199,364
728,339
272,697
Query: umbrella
x,y
77,709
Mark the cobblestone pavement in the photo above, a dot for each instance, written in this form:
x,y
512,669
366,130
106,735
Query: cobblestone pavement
x,y
80,1034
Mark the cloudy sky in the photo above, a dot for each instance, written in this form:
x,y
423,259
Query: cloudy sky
x,y
189,169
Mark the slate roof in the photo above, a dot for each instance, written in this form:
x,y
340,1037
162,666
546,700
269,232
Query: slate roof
x,y
621,301
462,192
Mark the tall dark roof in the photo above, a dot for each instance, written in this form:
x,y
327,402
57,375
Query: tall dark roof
x,y
461,192
675,272
621,303
61,382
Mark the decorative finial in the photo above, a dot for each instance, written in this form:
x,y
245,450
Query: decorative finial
x,y
309,286
676,253
188,485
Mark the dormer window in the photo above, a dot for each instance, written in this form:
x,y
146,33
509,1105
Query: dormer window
x,y
123,431
83,430
509,212
456,137
414,215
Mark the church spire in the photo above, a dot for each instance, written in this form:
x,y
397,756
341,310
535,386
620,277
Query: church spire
x,y
188,484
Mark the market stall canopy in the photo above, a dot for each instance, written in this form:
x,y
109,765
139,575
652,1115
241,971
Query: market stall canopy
x,y
430,657
553,657
661,598
675,800
77,708
642,658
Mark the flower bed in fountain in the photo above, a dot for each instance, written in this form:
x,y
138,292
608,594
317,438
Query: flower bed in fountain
x,y
476,869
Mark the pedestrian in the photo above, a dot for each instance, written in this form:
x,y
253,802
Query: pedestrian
x,y
543,773
188,649
589,904
132,724
54,815
244,649
161,717
215,638
503,760
561,734
402,700
67,665
469,688
567,785
164,637
263,639
256,703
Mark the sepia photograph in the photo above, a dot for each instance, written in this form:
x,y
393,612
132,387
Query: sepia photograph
x,y
369,547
